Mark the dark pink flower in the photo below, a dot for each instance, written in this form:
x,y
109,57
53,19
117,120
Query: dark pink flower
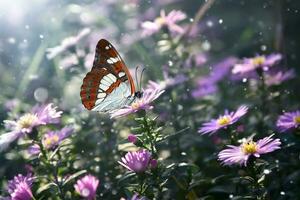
x,y
136,161
19,187
132,138
87,187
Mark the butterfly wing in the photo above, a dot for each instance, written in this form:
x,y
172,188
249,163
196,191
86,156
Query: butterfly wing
x,y
109,85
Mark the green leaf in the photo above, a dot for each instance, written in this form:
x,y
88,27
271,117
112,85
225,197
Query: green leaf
x,y
45,187
126,176
73,176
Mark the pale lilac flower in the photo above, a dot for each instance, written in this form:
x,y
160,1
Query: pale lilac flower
x,y
68,61
19,187
204,90
11,104
66,44
261,61
136,161
40,115
240,154
167,82
132,138
53,138
87,187
288,121
142,103
223,121
279,77
169,21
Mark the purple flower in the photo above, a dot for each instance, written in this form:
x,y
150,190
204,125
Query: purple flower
x,y
40,115
251,64
204,90
208,84
132,138
289,120
279,77
19,187
137,197
169,21
240,154
67,43
223,121
142,103
54,138
34,149
136,161
87,187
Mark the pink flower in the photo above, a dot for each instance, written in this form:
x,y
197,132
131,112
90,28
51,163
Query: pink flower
x,y
240,154
279,77
87,187
67,43
168,21
40,115
223,121
142,103
136,161
251,64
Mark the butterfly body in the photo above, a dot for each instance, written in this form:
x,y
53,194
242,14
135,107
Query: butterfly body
x,y
109,85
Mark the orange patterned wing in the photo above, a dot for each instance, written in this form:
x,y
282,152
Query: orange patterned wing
x,y
108,72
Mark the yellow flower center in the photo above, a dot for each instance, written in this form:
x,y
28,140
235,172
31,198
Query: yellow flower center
x,y
297,119
259,60
51,140
27,120
137,104
160,21
249,147
224,120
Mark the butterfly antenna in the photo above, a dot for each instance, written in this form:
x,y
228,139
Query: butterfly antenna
x,y
136,78
141,78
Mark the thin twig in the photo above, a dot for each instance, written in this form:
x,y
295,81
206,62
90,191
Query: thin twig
x,y
199,15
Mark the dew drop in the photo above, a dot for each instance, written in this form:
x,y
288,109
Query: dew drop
x,y
40,94
220,21
209,23
282,193
267,171
41,36
244,80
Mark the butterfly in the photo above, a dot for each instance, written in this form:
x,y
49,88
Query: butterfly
x,y
109,85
